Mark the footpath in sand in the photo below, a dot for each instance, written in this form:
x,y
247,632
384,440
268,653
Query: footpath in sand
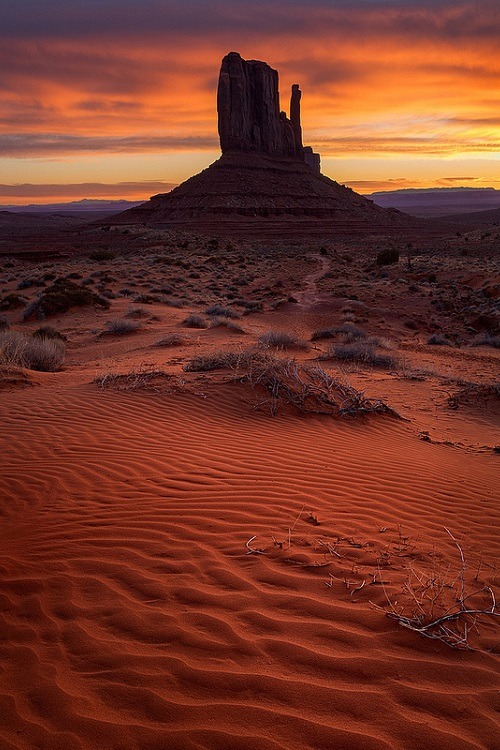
x,y
134,615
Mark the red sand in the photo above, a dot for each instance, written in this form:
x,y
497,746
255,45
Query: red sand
x,y
133,617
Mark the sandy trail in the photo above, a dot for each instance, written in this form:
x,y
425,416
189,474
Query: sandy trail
x,y
309,294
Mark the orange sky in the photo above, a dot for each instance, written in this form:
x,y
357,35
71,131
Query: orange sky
x,y
116,98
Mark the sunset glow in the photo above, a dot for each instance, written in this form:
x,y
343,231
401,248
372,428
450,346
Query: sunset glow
x,y
117,98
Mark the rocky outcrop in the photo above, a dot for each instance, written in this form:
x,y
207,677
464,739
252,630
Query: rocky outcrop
x,y
248,107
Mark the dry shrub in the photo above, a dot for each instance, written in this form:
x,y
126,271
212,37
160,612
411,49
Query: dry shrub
x,y
221,312
210,362
60,297
309,389
347,333
48,332
225,323
363,353
120,327
195,321
141,379
171,339
425,590
11,301
283,340
42,354
475,394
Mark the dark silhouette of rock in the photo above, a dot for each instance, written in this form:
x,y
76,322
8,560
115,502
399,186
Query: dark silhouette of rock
x,y
266,183
295,119
248,108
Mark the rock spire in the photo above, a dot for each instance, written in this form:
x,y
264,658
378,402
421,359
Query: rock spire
x,y
248,108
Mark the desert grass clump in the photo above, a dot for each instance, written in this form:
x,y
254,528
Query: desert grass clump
x,y
277,382
347,332
171,339
228,324
283,340
210,362
48,332
487,340
361,353
136,312
141,379
44,355
12,301
194,320
438,340
387,257
60,297
475,394
120,327
220,311
251,306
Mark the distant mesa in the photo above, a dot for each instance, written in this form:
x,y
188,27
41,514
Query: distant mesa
x,y
266,181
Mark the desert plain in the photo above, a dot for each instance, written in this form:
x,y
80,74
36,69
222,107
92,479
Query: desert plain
x,y
195,555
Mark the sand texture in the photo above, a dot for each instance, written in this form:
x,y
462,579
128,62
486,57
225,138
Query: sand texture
x,y
182,571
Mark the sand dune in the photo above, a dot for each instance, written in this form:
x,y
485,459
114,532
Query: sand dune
x,y
133,617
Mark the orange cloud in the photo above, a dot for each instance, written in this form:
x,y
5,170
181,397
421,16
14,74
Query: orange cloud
x,y
380,77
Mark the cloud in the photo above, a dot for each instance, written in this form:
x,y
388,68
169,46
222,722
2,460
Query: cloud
x,y
123,76
87,189
29,144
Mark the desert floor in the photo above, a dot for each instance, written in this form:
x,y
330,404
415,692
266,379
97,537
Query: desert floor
x,y
182,570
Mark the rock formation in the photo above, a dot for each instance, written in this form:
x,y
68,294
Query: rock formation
x,y
266,183
248,108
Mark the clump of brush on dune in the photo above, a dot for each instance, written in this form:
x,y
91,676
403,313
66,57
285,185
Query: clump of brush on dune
x,y
277,382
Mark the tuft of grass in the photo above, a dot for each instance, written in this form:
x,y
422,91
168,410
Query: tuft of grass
x,y
48,332
120,327
347,332
60,297
487,340
210,362
220,311
362,353
141,379
387,257
11,301
44,355
171,339
194,320
437,340
136,312
283,340
229,324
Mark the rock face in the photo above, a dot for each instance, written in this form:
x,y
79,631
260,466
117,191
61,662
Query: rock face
x,y
248,108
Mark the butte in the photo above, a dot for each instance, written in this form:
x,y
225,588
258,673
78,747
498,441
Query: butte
x,y
266,182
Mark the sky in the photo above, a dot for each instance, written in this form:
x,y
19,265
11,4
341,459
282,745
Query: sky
x,y
117,98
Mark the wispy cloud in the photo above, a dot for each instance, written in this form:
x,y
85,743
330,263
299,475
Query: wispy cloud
x,y
36,144
123,76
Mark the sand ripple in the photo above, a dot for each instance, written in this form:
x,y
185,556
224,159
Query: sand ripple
x,y
132,617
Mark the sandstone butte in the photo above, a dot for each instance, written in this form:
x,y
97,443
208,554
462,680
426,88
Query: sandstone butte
x,y
266,182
